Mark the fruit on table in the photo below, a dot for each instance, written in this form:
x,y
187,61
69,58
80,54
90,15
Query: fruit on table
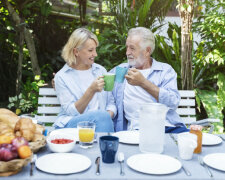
x,y
6,139
8,152
24,152
19,141
61,141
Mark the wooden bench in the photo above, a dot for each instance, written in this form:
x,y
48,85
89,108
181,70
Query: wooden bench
x,y
49,107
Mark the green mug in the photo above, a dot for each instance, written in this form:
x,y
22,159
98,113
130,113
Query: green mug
x,y
109,79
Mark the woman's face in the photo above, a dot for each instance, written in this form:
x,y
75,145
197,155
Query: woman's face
x,y
86,55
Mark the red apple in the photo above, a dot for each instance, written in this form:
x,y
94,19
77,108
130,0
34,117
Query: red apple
x,y
8,152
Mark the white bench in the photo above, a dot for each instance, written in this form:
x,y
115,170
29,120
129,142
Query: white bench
x,y
49,107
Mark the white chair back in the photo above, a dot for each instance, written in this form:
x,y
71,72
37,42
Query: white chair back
x,y
49,106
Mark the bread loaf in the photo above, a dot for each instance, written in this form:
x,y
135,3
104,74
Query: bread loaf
x,y
6,130
10,119
25,128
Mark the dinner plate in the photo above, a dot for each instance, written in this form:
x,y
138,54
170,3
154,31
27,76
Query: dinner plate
x,y
128,137
153,163
70,131
210,139
63,163
215,160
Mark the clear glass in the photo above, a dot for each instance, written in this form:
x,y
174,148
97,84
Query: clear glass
x,y
86,131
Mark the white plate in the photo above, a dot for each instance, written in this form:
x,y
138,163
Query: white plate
x,y
63,163
210,139
216,160
70,131
153,163
128,137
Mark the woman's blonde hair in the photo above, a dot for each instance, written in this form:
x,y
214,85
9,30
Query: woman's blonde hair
x,y
76,40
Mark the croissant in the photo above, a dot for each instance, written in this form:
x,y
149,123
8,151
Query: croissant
x,y
25,128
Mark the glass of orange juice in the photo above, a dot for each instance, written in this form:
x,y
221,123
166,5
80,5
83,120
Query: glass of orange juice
x,y
86,132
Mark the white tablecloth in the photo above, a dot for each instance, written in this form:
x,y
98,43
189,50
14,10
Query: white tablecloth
x,y
112,171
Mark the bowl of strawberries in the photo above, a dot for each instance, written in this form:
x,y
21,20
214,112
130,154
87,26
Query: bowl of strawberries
x,y
61,143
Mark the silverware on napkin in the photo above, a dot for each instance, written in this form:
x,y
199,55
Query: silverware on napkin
x,y
182,166
121,161
32,164
201,162
97,162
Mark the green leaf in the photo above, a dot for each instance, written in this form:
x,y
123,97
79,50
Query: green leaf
x,y
209,101
221,91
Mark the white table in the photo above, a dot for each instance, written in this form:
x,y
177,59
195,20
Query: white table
x,y
112,171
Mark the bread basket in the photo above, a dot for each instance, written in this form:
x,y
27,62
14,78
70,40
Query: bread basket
x,y
36,145
14,166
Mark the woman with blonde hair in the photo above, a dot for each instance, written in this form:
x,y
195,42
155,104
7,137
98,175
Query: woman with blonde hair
x,y
79,85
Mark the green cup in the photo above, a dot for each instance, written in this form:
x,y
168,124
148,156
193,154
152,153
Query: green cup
x,y
109,79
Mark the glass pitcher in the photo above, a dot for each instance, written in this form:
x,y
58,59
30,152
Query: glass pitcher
x,y
152,127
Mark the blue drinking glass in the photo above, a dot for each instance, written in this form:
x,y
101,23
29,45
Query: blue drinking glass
x,y
108,146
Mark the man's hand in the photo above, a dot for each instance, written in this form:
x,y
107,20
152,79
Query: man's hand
x,y
97,85
134,77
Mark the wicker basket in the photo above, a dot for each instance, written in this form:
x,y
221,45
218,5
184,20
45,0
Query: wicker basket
x,y
35,146
14,166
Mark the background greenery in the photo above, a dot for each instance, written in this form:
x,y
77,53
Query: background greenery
x,y
50,33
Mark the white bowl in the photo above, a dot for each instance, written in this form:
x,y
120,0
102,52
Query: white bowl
x,y
61,148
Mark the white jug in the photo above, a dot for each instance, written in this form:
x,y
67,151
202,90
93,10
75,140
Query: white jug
x,y
152,127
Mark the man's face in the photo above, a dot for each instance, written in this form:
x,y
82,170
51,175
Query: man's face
x,y
134,52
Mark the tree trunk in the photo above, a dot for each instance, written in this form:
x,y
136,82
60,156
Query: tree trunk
x,y
20,60
186,13
33,56
28,39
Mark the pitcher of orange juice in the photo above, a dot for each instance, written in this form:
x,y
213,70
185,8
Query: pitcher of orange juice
x,y
86,131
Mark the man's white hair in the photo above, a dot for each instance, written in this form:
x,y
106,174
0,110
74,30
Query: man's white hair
x,y
147,37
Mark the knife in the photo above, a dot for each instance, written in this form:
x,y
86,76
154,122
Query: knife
x,y
97,162
121,161
184,168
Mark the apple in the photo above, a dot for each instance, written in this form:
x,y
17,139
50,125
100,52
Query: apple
x,y
8,152
19,141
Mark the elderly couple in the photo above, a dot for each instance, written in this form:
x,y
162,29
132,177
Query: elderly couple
x,y
79,85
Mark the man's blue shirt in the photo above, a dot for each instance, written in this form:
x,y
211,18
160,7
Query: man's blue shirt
x,y
161,75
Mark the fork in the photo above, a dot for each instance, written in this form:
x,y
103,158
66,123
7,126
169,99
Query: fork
x,y
201,162
32,164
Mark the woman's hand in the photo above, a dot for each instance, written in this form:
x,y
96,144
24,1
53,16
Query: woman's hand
x,y
97,85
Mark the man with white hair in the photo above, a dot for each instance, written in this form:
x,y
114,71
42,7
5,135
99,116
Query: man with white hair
x,y
147,81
